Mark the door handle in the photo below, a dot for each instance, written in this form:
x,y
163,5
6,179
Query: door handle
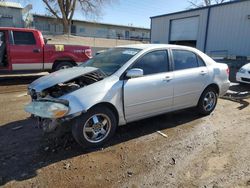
x,y
36,50
203,72
167,79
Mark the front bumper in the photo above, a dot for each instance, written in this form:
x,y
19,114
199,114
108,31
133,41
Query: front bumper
x,y
243,77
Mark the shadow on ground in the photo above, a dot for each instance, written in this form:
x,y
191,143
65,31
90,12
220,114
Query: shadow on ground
x,y
239,93
24,149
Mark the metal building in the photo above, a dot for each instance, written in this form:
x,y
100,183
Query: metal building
x,y
219,30
11,14
51,25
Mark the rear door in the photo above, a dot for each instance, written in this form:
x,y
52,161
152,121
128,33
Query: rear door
x,y
152,93
190,78
25,51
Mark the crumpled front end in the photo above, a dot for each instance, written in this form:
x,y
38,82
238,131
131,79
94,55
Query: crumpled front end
x,y
47,103
49,113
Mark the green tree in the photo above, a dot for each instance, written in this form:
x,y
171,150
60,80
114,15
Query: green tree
x,y
64,9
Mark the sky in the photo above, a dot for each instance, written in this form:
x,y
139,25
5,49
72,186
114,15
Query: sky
x,y
123,12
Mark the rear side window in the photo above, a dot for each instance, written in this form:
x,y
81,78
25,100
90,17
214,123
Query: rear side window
x,y
185,60
153,62
23,38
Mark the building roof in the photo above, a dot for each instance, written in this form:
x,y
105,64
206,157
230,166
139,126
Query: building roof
x,y
205,7
11,5
83,21
17,29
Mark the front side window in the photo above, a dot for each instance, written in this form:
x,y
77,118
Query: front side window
x,y
185,60
153,62
23,38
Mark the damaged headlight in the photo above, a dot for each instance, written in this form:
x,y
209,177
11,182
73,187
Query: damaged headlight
x,y
47,109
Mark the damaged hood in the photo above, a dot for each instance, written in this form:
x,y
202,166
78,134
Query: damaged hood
x,y
60,76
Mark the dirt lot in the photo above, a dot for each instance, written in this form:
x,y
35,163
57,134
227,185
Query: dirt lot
x,y
212,151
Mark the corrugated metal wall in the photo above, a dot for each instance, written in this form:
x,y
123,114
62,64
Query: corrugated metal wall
x,y
11,17
229,30
102,31
160,30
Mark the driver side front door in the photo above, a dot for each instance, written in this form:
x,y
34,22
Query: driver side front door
x,y
152,93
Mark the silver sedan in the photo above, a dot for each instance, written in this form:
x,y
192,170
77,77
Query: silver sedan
x,y
126,84
243,75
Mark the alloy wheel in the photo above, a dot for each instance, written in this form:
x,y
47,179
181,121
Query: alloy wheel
x,y
97,128
209,101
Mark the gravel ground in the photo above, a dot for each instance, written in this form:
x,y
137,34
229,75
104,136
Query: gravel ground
x,y
193,151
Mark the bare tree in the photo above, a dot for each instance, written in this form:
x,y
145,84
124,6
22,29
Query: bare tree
x,y
202,3
64,9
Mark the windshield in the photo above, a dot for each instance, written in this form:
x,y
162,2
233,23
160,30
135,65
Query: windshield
x,y
111,60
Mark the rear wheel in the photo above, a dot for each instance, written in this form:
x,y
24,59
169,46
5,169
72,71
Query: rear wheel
x,y
94,128
63,65
208,101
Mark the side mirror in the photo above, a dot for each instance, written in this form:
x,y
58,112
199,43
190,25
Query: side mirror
x,y
46,40
134,73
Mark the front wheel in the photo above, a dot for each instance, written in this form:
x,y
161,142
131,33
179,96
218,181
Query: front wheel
x,y
94,128
208,101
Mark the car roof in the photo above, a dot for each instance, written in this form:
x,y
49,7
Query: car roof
x,y
149,47
155,46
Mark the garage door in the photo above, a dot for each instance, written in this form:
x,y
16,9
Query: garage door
x,y
184,29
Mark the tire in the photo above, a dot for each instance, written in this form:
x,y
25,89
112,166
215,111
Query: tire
x,y
207,101
63,65
95,127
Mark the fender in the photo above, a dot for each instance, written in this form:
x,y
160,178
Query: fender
x,y
65,56
111,94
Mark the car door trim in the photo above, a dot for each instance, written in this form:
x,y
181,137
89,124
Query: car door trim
x,y
149,101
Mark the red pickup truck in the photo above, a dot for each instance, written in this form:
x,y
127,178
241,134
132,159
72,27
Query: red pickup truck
x,y
26,49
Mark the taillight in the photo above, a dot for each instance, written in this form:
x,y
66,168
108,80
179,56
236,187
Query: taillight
x,y
228,71
88,53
